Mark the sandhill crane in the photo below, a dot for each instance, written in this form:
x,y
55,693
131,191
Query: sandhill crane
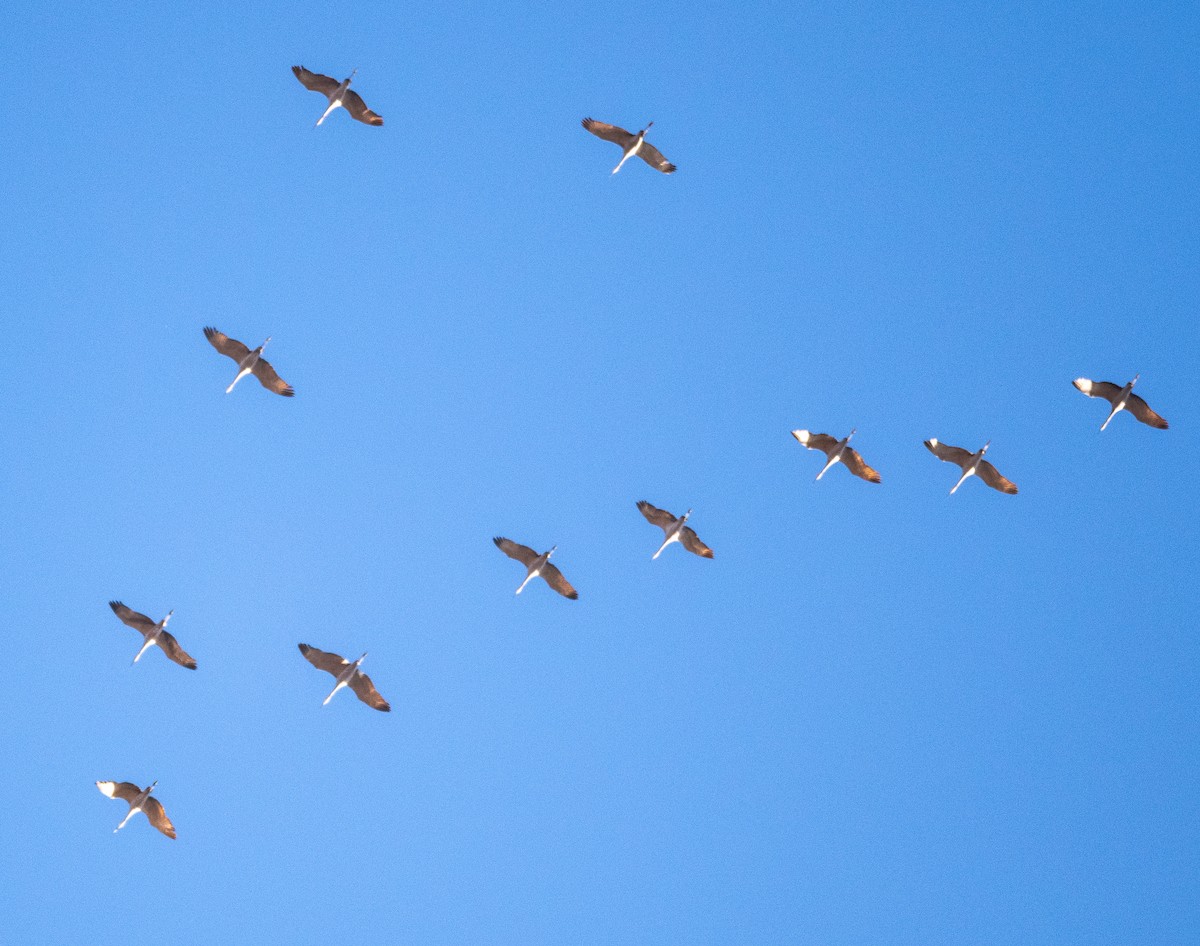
x,y
836,450
347,674
248,361
153,634
676,530
338,93
139,800
1121,399
536,566
972,464
630,144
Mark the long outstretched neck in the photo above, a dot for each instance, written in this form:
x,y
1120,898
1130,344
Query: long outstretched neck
x,y
150,639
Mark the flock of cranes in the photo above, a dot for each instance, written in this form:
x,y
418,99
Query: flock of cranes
x,y
538,565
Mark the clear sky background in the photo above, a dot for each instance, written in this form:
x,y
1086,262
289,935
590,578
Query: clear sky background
x,y
881,715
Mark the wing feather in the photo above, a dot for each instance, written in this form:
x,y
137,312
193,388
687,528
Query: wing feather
x,y
1104,389
170,646
357,108
136,620
326,85
361,684
659,517
946,452
270,380
126,791
522,553
323,660
1141,410
822,442
690,541
158,817
856,465
610,133
653,157
230,347
990,475
554,578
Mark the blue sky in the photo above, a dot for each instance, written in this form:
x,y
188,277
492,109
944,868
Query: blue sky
x,y
879,715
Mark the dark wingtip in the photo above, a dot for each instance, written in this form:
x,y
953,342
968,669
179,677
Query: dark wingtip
x,y
498,539
669,169
191,666
574,596
304,648
288,393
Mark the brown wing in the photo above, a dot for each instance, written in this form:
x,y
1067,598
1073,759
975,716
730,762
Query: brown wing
x,y
653,157
554,578
1104,389
990,475
522,553
126,791
659,517
1141,410
326,85
230,347
361,684
692,543
133,618
270,380
856,465
322,660
949,454
822,442
354,104
171,648
154,811
610,133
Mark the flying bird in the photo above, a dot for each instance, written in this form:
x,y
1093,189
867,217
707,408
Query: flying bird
x,y
836,450
1121,399
347,674
139,800
153,634
676,530
536,566
972,464
249,361
338,93
631,145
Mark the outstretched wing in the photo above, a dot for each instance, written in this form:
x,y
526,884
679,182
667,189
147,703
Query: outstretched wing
x,y
322,660
1141,410
1104,389
659,517
692,543
949,454
856,465
822,442
126,791
357,108
230,347
653,157
554,578
136,620
522,553
361,684
154,811
990,475
270,380
171,648
326,85
610,133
